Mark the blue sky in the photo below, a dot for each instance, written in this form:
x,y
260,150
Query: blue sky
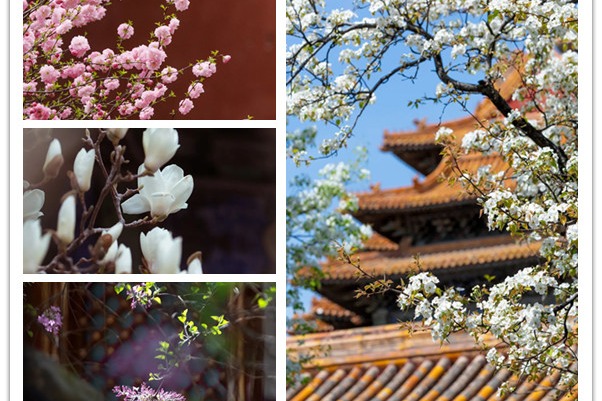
x,y
390,112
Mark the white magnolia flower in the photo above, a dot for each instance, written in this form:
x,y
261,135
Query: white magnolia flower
x,y
35,245
54,159
82,168
116,134
161,251
66,220
160,144
33,201
123,261
162,194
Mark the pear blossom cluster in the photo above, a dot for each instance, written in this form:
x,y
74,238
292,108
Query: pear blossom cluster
x,y
161,191
338,60
68,79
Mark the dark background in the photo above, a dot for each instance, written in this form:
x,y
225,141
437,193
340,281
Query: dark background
x,y
232,210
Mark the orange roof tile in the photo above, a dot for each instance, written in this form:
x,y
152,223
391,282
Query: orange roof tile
x,y
432,191
378,242
382,264
414,370
424,136
323,307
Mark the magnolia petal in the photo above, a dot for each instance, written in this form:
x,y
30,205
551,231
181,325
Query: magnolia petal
x,y
135,205
161,203
181,192
33,201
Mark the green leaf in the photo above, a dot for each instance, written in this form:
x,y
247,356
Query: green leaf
x,y
119,287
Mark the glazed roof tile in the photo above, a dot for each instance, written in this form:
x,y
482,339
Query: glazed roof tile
x,y
379,242
444,379
386,363
325,308
424,135
390,264
435,190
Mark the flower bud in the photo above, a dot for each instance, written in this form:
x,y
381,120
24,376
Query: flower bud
x,y
195,265
116,134
160,144
161,251
123,262
66,221
54,159
82,168
35,245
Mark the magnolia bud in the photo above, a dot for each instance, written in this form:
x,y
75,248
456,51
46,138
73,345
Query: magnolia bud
x,y
66,221
123,262
82,168
116,134
160,144
54,159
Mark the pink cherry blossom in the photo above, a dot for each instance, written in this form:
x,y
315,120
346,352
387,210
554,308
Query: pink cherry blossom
x,y
73,71
226,58
79,46
163,33
195,90
39,112
153,56
66,113
174,23
111,83
146,113
181,5
185,106
169,75
64,27
125,31
49,74
29,87
204,69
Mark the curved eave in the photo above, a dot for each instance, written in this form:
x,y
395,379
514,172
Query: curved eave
x,y
447,261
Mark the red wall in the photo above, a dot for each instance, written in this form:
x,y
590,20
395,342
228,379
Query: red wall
x,y
245,29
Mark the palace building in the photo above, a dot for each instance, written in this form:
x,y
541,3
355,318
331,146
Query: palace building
x,y
360,352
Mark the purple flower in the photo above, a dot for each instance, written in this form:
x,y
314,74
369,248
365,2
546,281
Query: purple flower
x,y
140,295
146,393
51,319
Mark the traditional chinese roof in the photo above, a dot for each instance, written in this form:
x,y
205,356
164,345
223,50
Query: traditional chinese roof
x,y
392,264
387,363
378,242
418,147
434,191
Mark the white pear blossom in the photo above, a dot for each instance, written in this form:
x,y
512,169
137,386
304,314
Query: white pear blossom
x,y
160,145
33,200
163,193
35,245
337,61
66,220
123,261
83,167
161,251
54,159
116,134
